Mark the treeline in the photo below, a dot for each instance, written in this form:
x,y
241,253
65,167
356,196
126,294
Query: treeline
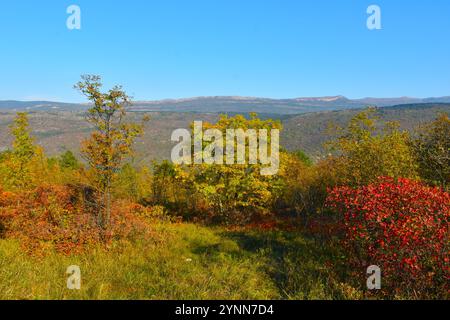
x,y
381,193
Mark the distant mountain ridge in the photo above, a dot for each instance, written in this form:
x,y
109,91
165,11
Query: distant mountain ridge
x,y
235,104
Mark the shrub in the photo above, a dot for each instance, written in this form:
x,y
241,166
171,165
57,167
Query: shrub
x,y
403,227
303,157
305,187
53,217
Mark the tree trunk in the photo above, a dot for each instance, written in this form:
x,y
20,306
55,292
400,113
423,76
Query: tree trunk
x,y
107,213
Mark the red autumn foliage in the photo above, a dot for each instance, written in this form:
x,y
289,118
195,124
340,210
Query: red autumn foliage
x,y
403,227
55,217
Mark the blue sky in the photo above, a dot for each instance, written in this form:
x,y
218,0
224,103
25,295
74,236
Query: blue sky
x,y
267,48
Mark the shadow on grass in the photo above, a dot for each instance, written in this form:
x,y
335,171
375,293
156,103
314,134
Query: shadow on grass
x,y
300,267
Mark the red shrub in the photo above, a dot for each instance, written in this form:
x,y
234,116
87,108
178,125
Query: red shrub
x,y
403,227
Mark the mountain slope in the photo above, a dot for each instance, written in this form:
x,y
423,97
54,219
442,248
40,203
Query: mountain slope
x,y
57,131
308,132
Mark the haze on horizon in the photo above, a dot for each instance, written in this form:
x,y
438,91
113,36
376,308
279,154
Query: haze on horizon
x,y
237,98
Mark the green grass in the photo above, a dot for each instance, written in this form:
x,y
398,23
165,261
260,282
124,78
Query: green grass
x,y
188,262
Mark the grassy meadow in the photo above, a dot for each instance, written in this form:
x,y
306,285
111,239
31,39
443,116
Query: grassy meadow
x,y
187,262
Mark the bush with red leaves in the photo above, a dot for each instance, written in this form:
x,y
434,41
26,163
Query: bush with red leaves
x,y
403,227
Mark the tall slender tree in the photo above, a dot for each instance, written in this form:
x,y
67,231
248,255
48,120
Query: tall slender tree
x,y
112,140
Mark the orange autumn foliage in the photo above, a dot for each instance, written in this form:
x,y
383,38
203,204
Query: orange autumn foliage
x,y
57,217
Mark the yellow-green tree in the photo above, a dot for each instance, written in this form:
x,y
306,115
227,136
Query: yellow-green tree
x,y
235,192
67,160
366,150
112,140
133,183
432,151
17,165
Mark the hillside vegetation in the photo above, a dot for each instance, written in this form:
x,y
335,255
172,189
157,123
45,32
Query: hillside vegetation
x,y
58,131
310,131
378,197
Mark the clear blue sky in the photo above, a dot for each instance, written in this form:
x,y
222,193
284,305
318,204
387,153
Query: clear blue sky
x,y
269,48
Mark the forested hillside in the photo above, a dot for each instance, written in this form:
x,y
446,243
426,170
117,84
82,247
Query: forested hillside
x,y
58,131
308,132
